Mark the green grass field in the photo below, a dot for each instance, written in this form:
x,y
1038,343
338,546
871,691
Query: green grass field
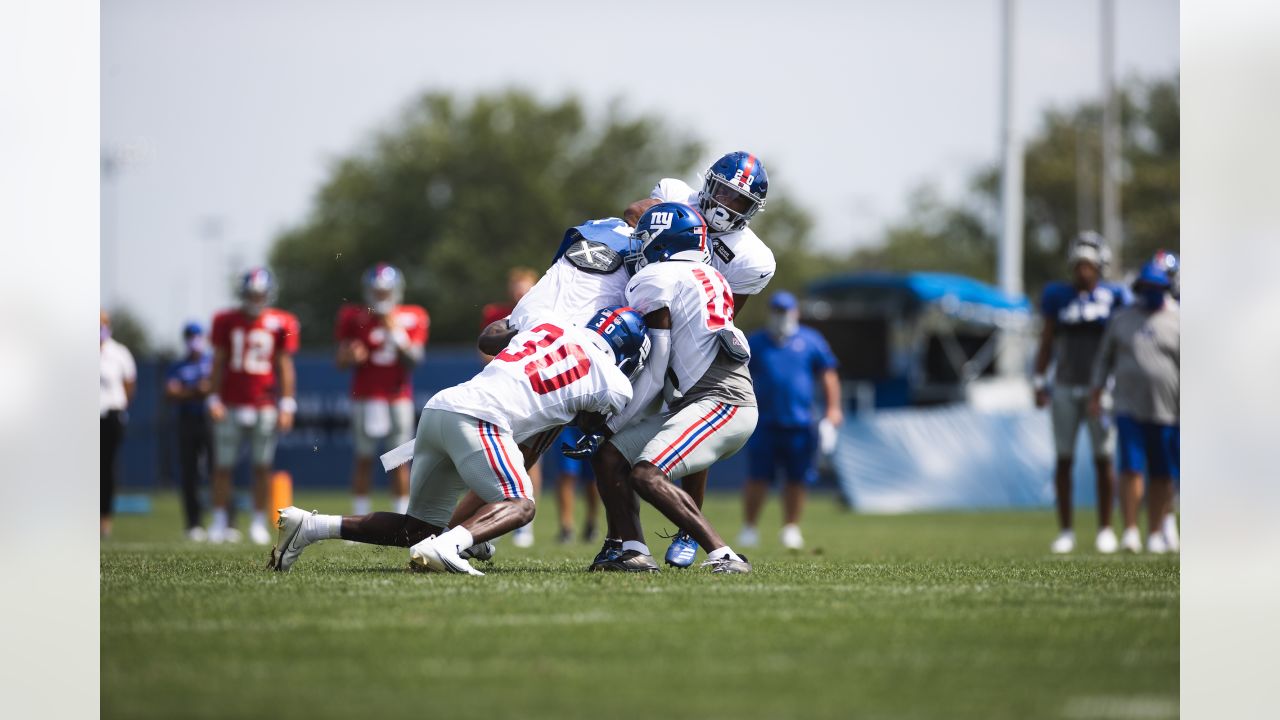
x,y
921,616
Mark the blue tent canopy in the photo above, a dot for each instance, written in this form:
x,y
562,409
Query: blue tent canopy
x,y
925,287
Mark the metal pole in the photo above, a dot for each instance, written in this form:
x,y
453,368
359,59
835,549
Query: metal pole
x,y
1111,228
1009,252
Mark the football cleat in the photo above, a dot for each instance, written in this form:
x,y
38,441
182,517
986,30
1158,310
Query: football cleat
x,y
1064,543
1106,542
627,561
728,565
749,537
791,537
1156,544
479,551
290,540
1130,540
523,536
435,557
683,550
608,551
259,533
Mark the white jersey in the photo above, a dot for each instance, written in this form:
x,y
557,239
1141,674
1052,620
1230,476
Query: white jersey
x,y
740,256
701,305
116,367
587,275
542,380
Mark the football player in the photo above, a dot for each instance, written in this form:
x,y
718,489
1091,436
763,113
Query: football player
x,y
252,395
733,191
1075,314
698,368
383,340
549,375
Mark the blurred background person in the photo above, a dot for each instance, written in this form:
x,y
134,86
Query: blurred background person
x,y
1075,316
520,280
187,386
570,473
118,377
382,340
788,362
1142,349
252,396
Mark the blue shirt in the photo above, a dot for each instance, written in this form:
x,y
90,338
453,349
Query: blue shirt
x,y
189,372
786,375
1080,318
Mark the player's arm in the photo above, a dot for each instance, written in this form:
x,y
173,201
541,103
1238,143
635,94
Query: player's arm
x,y
495,337
1043,355
287,375
633,212
654,374
1102,367
216,409
831,388
739,302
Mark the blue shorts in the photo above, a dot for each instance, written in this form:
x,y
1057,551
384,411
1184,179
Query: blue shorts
x,y
559,465
792,450
1147,447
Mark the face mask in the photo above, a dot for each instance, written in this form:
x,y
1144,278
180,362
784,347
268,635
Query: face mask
x,y
384,307
196,345
104,332
782,325
1152,298
253,309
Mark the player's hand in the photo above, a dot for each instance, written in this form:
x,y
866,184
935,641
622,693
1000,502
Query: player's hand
x,y
835,416
285,421
217,411
584,449
359,352
1095,404
827,436
1042,397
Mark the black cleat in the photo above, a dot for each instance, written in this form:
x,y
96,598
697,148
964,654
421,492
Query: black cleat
x,y
610,550
628,561
729,566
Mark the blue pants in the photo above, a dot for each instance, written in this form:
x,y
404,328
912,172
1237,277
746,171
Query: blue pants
x,y
793,450
1148,448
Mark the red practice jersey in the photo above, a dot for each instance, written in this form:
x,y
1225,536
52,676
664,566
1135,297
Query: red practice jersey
x,y
382,375
493,312
252,345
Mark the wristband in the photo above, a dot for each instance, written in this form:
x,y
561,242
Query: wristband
x,y
213,399
288,405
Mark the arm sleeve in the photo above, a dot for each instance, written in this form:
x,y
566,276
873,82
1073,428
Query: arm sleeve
x,y
823,358
1048,307
649,384
646,294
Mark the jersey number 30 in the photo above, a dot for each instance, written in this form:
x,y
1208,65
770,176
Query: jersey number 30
x,y
544,359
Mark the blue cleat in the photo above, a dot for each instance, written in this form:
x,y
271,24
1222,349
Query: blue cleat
x,y
682,551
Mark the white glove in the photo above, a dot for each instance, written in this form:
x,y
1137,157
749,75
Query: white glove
x,y
826,437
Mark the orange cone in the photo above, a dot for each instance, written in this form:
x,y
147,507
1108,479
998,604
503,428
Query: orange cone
x,y
279,494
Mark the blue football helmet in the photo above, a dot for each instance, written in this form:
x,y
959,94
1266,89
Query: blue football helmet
x,y
624,330
670,231
257,290
733,190
1168,260
383,288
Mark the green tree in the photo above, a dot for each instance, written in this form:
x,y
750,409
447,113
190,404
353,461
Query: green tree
x,y
1061,159
129,331
456,192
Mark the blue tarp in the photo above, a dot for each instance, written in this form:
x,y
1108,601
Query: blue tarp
x,y
927,287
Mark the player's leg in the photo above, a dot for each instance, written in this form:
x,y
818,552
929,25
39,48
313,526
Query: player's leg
x,y
762,468
1131,457
696,486
523,535
189,433
590,498
1172,442
799,460
566,483
263,454
1102,439
111,433
362,466
226,445
683,549
1160,465
611,466
692,439
402,429
1066,417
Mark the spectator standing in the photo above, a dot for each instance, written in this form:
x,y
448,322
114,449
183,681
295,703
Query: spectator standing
x,y
1075,316
187,387
788,362
118,376
1141,348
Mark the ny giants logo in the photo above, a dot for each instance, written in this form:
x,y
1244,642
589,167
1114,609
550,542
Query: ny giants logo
x,y
660,221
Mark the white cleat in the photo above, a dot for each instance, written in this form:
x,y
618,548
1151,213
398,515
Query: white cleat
x,y
1170,530
224,535
791,537
259,534
1131,540
197,534
749,537
1064,543
523,536
479,551
437,557
290,540
1156,544
1106,542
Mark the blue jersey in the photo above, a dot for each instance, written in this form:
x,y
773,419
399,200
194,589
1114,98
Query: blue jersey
x,y
1080,317
189,372
785,375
